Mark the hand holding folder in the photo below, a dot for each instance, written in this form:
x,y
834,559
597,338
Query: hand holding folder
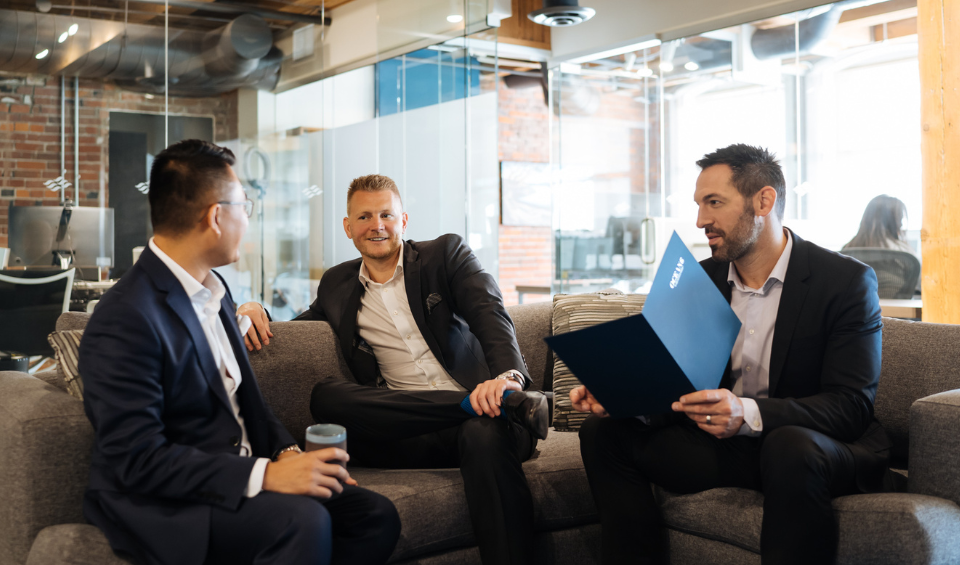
x,y
679,344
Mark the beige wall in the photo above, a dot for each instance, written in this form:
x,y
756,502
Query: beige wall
x,y
623,22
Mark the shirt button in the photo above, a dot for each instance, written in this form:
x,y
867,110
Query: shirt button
x,y
419,361
408,336
751,332
748,367
394,312
433,383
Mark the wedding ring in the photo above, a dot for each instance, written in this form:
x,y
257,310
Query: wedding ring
x,y
708,418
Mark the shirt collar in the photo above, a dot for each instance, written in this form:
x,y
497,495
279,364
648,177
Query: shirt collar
x,y
365,274
778,274
210,290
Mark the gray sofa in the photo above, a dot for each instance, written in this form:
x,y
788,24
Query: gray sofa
x,y
45,440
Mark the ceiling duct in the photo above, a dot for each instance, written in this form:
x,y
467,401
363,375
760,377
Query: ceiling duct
x,y
240,54
782,41
561,13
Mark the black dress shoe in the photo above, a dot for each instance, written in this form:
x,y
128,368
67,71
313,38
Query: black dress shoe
x,y
529,409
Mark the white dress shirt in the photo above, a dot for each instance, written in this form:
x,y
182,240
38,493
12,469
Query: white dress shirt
x,y
386,322
750,360
205,298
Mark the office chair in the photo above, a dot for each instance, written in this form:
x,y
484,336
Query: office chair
x,y
29,307
898,272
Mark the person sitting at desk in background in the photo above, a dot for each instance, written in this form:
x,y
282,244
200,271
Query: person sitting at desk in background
x,y
794,415
190,465
424,331
882,226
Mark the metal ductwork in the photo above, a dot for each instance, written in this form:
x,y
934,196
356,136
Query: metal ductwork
x,y
782,41
240,54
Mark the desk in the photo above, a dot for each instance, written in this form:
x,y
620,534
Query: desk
x,y
901,308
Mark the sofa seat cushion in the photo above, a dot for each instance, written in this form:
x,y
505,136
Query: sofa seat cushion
x,y
874,528
433,507
73,544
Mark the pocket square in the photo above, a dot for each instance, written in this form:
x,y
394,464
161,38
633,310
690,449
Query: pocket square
x,y
432,302
244,322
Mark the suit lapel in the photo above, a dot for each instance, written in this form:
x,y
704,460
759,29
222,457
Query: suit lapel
x,y
719,278
411,278
794,293
179,302
348,319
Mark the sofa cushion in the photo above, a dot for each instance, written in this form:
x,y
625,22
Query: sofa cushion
x,y
533,323
46,442
874,528
300,354
561,497
76,544
919,359
573,312
66,345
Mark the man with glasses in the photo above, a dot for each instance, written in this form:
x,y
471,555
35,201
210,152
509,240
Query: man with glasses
x,y
190,466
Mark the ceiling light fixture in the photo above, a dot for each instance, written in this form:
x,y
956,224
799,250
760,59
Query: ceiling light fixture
x,y
561,13
72,30
691,66
43,54
63,37
645,72
454,18
666,66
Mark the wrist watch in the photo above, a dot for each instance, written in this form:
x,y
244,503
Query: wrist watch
x,y
512,375
293,447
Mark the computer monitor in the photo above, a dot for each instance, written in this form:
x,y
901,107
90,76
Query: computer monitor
x,y
41,236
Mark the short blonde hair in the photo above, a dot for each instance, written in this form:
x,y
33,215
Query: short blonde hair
x,y
372,183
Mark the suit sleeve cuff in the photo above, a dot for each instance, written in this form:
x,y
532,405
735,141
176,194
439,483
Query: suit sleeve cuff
x,y
752,422
255,484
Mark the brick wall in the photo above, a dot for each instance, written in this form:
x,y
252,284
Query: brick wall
x,y
30,135
525,251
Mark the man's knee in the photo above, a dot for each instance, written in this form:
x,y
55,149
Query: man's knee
x,y
328,398
307,517
793,451
484,435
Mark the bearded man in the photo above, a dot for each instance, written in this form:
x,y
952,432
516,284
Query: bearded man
x,y
793,416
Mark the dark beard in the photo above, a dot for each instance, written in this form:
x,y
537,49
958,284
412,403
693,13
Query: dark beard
x,y
740,241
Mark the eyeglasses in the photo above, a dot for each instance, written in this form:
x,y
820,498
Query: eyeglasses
x,y
247,205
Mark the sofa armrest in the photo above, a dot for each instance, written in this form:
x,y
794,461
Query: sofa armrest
x,y
45,447
935,446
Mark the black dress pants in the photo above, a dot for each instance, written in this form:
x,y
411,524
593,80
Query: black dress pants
x,y
354,526
798,470
428,429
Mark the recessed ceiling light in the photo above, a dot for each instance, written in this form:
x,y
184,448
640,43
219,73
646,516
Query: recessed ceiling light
x,y
72,30
666,66
454,18
43,54
691,66
645,72
63,37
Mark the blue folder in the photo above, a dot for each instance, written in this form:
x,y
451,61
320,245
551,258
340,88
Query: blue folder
x,y
680,343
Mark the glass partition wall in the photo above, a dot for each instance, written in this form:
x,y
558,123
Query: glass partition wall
x,y
833,91
394,87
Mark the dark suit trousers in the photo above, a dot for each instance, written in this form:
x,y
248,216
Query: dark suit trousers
x,y
797,469
355,526
428,429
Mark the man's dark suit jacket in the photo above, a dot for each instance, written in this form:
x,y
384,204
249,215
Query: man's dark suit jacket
x,y
825,359
456,304
167,445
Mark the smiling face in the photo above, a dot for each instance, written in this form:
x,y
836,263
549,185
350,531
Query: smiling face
x,y
375,222
729,220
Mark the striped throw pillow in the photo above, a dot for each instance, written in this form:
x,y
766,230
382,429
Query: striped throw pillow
x,y
573,312
65,345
